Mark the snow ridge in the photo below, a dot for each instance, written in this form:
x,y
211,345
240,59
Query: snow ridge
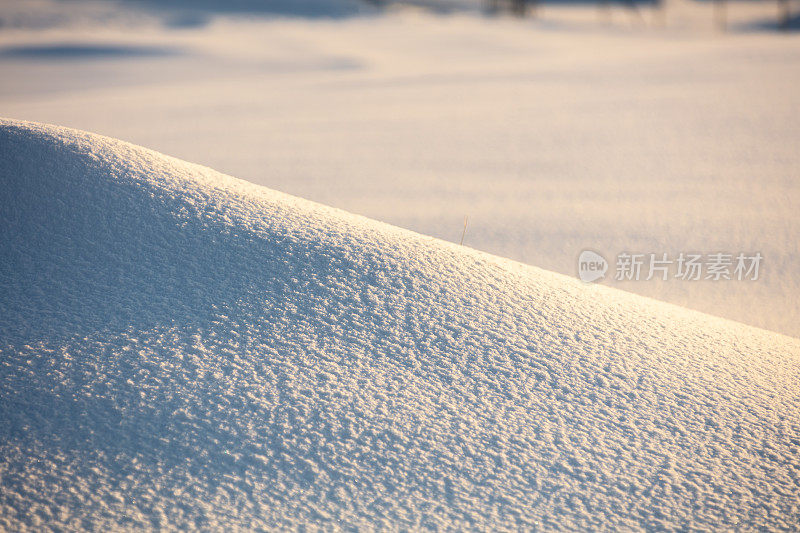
x,y
183,349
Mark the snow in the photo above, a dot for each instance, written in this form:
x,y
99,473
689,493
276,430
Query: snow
x,y
183,349
553,135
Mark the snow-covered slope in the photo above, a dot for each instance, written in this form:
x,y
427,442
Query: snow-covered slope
x,y
555,134
184,349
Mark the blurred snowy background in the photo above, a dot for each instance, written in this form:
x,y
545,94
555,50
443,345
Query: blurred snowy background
x,y
609,129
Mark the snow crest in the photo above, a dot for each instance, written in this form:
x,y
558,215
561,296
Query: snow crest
x,y
182,349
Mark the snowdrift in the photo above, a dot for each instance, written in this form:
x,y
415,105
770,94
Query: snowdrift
x,y
184,349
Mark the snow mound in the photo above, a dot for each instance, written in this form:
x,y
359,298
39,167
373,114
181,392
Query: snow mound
x,y
183,349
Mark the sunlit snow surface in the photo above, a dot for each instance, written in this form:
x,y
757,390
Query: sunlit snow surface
x,y
184,349
554,134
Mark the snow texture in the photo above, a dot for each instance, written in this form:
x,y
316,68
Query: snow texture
x,y
183,349
554,135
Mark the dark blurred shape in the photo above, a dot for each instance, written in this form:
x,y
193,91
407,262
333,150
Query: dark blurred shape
x,y
522,8
191,13
787,22
517,7
84,51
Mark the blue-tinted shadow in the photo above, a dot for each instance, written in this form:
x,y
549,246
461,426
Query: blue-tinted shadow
x,y
84,51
